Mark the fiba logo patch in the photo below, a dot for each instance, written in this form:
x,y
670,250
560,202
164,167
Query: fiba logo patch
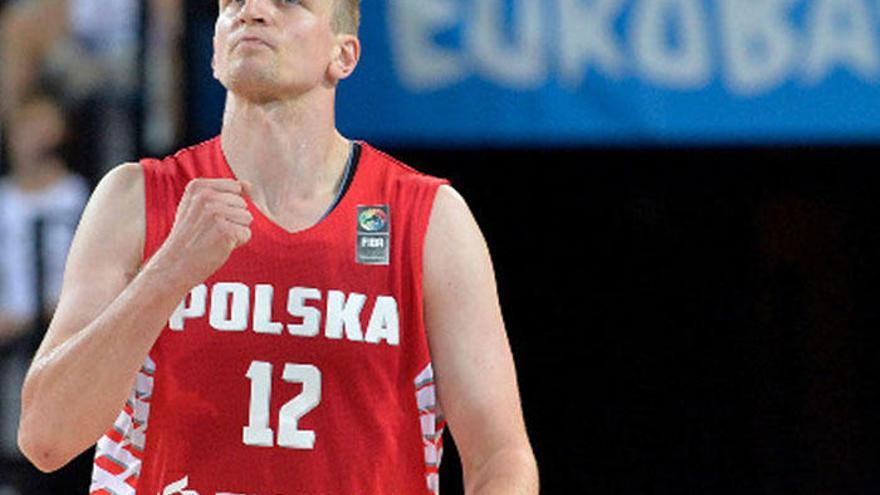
x,y
372,219
373,235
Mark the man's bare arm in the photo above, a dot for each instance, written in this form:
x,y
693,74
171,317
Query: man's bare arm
x,y
474,368
112,310
85,367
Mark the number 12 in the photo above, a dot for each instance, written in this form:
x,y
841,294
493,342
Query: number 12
x,y
257,432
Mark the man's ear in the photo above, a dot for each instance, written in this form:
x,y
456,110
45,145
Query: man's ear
x,y
347,55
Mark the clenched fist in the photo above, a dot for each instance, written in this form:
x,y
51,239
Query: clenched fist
x,y
212,220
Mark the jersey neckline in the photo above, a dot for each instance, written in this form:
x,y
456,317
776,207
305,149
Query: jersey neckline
x,y
278,232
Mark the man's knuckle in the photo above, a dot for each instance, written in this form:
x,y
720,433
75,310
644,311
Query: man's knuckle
x,y
213,208
206,196
195,185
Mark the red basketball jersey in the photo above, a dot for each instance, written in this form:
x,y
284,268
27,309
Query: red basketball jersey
x,y
301,367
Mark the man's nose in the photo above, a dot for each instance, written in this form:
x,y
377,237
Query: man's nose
x,y
255,11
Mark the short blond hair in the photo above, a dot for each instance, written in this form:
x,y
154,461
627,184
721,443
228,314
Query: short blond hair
x,y
347,18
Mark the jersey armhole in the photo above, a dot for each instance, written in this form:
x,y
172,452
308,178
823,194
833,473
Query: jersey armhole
x,y
154,200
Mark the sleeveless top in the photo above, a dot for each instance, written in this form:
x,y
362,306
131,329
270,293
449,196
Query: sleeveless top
x,y
302,365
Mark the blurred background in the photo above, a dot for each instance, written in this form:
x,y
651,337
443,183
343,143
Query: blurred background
x,y
681,198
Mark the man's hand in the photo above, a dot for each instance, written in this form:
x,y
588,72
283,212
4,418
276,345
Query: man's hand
x,y
112,309
212,220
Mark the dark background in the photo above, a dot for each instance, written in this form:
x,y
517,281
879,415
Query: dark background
x,y
686,320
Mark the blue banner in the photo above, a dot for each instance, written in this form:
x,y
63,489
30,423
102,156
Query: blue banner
x,y
537,72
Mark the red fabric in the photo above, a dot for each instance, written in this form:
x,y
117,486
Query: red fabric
x,y
366,424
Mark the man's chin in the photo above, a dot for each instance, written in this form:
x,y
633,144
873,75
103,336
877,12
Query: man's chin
x,y
257,91
263,92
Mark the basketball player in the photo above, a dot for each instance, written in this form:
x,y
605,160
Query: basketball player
x,y
273,310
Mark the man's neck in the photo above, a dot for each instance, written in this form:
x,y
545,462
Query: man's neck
x,y
289,152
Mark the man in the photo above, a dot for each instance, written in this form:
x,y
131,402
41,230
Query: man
x,y
320,273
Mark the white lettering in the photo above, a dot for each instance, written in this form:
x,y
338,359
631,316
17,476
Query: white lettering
x,y
224,295
683,64
178,488
759,45
517,61
343,315
384,323
373,242
311,317
841,33
230,310
197,298
517,44
423,65
586,36
263,295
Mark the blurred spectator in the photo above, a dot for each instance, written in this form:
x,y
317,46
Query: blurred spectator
x,y
40,205
89,51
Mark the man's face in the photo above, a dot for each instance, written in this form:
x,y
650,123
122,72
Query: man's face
x,y
267,50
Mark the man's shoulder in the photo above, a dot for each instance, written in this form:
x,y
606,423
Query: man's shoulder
x,y
394,168
122,183
205,147
187,163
